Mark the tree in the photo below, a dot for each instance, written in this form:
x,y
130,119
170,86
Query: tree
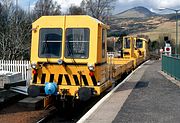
x,y
14,32
100,9
46,7
75,10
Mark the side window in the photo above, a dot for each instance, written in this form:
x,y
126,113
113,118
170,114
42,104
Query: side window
x,y
50,43
103,43
139,43
126,42
77,43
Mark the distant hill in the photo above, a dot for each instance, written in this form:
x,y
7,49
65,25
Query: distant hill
x,y
140,20
136,12
171,16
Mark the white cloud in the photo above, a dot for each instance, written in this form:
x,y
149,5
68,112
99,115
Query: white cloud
x,y
163,3
65,4
166,3
120,6
125,1
150,4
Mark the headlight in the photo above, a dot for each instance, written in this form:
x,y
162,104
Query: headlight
x,y
91,67
98,83
34,65
60,61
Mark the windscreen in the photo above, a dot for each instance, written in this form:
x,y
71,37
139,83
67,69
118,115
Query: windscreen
x,y
139,43
50,43
77,43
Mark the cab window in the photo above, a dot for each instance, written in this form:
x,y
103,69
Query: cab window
x,y
103,43
50,43
139,43
126,42
77,43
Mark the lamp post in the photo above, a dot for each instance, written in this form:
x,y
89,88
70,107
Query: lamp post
x,y
176,11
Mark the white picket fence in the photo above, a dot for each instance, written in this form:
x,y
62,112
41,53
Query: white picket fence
x,y
20,66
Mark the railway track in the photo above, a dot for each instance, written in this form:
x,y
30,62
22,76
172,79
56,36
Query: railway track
x,y
72,115
69,114
11,111
8,97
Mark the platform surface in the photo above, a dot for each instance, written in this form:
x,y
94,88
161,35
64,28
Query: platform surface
x,y
146,97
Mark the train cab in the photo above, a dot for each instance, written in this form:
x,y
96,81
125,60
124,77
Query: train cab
x,y
128,47
68,57
142,47
130,51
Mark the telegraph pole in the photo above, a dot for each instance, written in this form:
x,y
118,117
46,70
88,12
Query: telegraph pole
x,y
16,19
16,11
177,42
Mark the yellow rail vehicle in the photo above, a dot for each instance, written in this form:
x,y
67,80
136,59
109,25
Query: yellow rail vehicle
x,y
127,62
142,47
131,52
119,66
68,57
135,51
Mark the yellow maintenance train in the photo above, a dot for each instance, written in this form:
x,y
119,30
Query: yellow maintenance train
x,y
69,57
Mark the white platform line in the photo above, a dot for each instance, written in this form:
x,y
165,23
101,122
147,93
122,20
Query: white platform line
x,y
83,118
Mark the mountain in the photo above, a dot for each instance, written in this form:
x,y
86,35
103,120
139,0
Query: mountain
x,y
139,20
136,12
171,16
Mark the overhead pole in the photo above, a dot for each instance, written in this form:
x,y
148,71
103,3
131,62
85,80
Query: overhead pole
x,y
16,19
16,22
16,11
177,42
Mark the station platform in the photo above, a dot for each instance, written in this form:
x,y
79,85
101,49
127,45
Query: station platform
x,y
145,96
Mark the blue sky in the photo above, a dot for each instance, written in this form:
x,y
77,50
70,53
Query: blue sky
x,y
25,3
121,5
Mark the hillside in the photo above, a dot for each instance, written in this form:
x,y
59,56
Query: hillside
x,y
136,12
140,20
129,26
